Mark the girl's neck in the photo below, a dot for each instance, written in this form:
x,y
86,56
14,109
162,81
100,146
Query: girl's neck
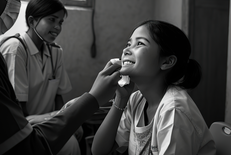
x,y
37,41
152,91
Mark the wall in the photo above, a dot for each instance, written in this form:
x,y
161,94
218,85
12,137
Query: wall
x,y
169,10
113,24
228,84
175,12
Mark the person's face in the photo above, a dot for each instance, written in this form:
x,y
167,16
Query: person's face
x,y
141,56
50,26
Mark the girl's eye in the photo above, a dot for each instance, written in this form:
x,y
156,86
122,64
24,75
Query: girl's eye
x,y
61,23
52,19
140,43
128,44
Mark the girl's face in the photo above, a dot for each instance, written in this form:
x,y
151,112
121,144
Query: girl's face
x,y
141,57
50,26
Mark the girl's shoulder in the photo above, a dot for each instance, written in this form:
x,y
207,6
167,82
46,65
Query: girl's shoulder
x,y
55,45
11,44
56,49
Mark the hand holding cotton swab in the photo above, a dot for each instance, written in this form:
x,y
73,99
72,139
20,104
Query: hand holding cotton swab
x,y
124,78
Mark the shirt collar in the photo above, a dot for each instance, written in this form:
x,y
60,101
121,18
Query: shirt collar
x,y
32,49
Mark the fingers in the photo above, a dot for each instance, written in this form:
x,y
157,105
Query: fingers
x,y
110,68
29,118
109,63
47,118
31,121
116,77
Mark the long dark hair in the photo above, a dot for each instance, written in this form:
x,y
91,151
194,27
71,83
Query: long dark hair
x,y
186,73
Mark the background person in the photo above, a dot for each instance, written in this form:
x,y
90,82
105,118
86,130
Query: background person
x,y
37,71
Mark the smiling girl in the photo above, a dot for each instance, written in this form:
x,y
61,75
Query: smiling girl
x,y
35,66
160,118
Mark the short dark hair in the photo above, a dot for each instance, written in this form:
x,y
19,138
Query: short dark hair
x,y
42,8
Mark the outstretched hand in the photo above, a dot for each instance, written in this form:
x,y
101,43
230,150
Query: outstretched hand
x,y
34,119
106,83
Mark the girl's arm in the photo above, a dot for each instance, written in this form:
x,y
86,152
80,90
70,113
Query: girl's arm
x,y
104,139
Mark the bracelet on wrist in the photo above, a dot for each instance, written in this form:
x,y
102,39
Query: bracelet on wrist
x,y
121,109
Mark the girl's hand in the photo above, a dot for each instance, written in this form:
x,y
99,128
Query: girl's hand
x,y
125,91
123,94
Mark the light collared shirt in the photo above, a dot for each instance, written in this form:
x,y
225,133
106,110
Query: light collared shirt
x,y
31,71
177,127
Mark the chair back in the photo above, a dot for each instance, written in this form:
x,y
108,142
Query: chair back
x,y
221,133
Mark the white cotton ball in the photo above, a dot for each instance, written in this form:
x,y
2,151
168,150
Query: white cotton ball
x,y
124,81
124,78
116,60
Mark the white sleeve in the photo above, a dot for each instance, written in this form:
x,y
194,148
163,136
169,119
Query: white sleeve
x,y
175,134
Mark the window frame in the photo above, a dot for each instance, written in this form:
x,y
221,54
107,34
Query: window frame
x,y
78,3
83,3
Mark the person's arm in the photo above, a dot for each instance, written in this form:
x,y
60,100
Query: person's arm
x,y
59,129
33,119
50,136
16,59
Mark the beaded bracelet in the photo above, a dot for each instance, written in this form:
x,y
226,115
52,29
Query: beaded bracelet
x,y
118,107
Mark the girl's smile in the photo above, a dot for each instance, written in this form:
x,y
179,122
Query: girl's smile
x,y
50,26
127,62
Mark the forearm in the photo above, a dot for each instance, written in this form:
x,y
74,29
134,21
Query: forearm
x,y
104,139
33,144
59,128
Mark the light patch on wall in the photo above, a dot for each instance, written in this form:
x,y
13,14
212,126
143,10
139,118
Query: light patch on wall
x,y
20,24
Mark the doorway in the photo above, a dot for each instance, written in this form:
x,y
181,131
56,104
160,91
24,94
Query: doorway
x,y
208,34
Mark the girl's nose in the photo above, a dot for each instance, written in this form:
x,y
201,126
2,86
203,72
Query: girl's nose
x,y
126,51
58,27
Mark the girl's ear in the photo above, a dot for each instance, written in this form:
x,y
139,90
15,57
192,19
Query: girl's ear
x,y
31,21
169,62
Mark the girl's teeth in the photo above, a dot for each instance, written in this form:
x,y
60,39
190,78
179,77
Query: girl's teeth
x,y
127,62
55,34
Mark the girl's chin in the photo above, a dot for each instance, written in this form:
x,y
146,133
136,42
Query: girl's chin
x,y
49,40
124,72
